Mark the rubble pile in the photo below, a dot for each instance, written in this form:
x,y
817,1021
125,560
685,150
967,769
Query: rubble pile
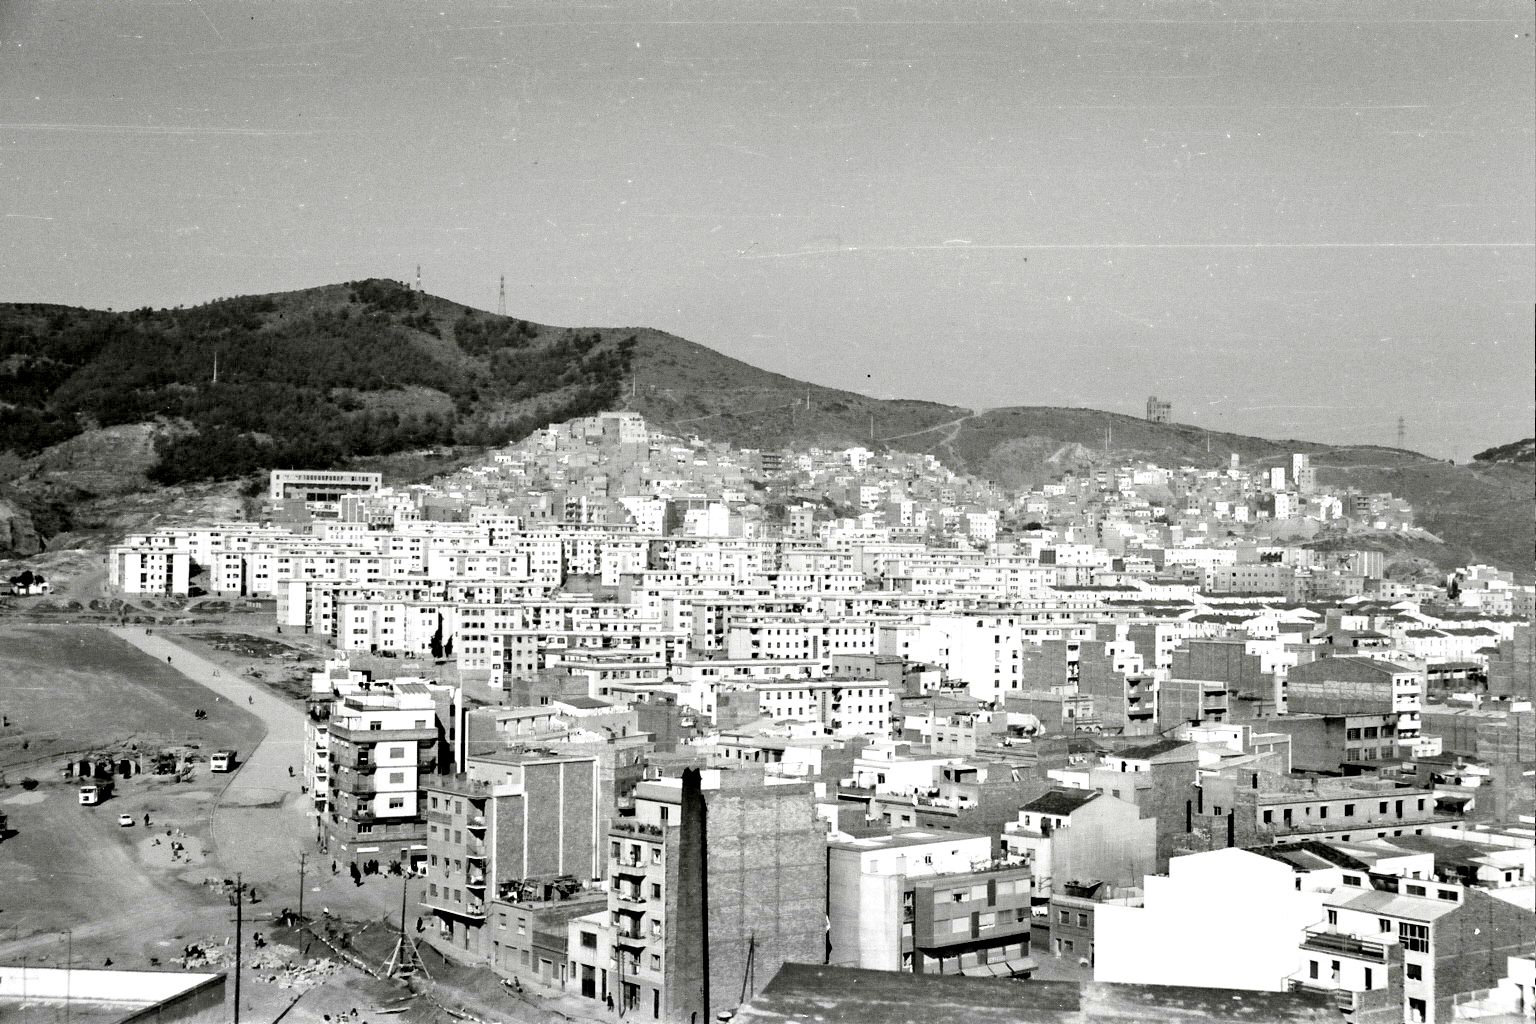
x,y
277,969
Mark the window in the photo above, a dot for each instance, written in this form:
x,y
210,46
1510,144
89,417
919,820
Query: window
x,y
396,777
1414,890
1352,880
1367,979
1448,894
1414,937
588,940
1333,917
1064,917
1415,972
655,890
1312,969
396,802
655,961
1383,924
1349,810
398,753
1082,920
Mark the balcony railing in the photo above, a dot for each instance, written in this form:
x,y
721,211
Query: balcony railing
x,y
349,781
1345,999
1346,945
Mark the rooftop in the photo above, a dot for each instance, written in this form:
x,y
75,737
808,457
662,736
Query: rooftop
x,y
1391,904
1060,801
806,992
901,838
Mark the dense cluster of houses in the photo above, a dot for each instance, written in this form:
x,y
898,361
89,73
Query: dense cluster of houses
x,y
667,715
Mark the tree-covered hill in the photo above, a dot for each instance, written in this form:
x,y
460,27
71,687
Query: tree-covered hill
x,y
306,378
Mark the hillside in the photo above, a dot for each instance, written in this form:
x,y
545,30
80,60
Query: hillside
x,y
1514,452
98,406
301,378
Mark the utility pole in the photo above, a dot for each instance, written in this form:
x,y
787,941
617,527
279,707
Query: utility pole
x,y
501,298
418,277
405,961
239,911
1402,430
302,857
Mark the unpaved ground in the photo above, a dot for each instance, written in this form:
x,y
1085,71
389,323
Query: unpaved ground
x,y
140,895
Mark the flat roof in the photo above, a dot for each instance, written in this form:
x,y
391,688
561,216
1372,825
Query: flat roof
x,y
813,992
902,838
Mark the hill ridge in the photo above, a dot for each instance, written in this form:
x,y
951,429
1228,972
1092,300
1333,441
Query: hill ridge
x,y
363,369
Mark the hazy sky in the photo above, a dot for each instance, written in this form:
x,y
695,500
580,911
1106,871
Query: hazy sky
x,y
1292,219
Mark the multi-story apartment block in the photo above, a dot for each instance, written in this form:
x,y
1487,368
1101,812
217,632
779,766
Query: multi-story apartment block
x,y
508,822
383,742
136,568
1406,950
737,869
1067,835
928,902
1360,684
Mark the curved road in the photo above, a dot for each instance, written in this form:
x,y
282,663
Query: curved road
x,y
259,825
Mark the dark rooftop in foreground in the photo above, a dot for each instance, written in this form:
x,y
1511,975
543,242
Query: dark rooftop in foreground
x,y
1060,801
848,995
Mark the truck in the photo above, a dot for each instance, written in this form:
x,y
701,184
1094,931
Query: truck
x,y
222,761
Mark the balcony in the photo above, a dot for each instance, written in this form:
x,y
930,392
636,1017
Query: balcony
x,y
1345,999
1346,945
477,823
348,781
474,849
634,899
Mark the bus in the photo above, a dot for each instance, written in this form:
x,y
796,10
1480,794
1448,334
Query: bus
x,y
222,761
93,793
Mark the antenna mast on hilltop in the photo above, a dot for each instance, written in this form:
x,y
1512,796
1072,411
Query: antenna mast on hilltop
x,y
418,277
501,297
1402,430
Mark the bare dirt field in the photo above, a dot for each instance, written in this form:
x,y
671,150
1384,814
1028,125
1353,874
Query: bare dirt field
x,y
73,880
77,688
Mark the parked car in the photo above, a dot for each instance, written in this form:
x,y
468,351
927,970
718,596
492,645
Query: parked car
x,y
125,820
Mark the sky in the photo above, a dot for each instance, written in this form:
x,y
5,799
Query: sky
x,y
1292,219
